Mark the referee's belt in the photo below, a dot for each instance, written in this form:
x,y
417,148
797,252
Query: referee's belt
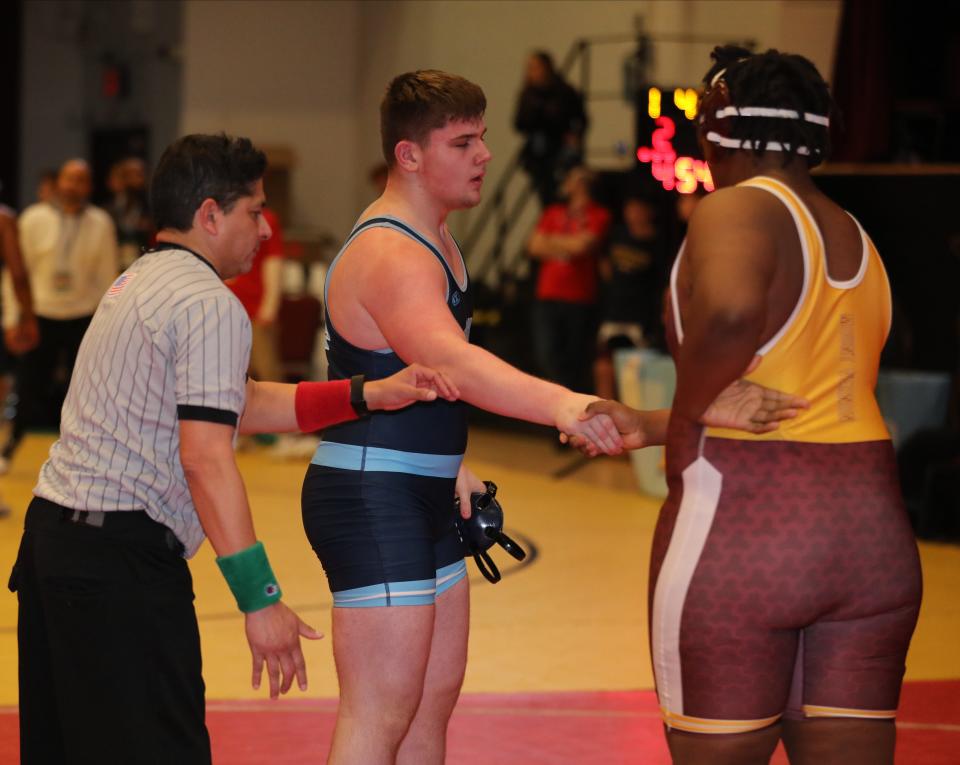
x,y
86,517
119,519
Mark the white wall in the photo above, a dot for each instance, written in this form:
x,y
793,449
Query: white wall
x,y
64,43
52,120
281,73
488,41
311,74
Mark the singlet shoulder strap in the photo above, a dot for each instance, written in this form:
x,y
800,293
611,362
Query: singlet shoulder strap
x,y
811,245
396,224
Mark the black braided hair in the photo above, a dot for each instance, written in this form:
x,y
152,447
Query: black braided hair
x,y
778,80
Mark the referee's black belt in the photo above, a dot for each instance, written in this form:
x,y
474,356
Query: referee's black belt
x,y
44,513
86,517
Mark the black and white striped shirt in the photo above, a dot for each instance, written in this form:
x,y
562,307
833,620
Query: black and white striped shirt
x,y
169,340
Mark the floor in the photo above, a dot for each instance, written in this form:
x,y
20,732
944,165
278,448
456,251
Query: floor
x,y
558,670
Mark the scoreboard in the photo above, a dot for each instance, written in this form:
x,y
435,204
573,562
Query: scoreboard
x,y
667,140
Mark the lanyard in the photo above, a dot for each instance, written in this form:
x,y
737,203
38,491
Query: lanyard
x,y
70,226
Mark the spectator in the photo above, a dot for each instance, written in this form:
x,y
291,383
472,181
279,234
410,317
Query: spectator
x,y
551,116
566,242
128,208
69,249
259,291
23,335
47,186
632,279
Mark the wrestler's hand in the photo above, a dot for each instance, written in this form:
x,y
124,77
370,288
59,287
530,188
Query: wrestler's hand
x,y
274,636
594,435
627,421
467,484
409,385
22,337
747,406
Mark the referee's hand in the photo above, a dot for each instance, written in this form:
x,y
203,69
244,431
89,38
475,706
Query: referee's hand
x,y
411,384
274,636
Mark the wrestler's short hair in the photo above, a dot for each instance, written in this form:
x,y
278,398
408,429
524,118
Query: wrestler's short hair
x,y
198,167
774,80
417,103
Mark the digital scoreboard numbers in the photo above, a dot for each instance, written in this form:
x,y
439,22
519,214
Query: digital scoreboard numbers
x,y
667,140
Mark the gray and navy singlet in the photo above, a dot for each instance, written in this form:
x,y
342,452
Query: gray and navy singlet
x,y
378,495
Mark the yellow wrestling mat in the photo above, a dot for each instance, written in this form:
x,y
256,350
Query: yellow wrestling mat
x,y
571,619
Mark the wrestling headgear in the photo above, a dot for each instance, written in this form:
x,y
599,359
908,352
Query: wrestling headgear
x,y
483,528
717,109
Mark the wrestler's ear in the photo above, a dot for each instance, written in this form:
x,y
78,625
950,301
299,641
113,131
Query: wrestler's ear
x,y
207,217
408,155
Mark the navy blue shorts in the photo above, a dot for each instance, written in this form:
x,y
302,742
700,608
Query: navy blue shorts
x,y
384,538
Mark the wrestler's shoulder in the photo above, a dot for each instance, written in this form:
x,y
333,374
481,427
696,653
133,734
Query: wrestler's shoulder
x,y
382,245
736,205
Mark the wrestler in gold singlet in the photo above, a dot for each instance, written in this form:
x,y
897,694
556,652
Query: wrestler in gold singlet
x,y
785,581
785,560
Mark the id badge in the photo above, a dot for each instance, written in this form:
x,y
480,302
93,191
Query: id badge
x,y
62,281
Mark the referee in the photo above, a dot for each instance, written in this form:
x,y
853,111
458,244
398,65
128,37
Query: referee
x,y
109,649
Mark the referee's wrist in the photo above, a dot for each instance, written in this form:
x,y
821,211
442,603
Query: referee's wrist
x,y
250,578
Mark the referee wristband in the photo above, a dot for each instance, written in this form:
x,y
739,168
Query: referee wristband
x,y
250,578
319,405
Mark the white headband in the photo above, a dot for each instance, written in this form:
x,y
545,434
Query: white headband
x,y
767,111
736,143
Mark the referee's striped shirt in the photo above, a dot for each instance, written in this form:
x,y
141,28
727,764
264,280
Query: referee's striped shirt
x,y
169,341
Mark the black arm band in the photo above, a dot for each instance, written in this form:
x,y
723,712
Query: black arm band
x,y
207,414
356,396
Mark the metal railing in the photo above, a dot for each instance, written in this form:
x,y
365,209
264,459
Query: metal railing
x,y
504,213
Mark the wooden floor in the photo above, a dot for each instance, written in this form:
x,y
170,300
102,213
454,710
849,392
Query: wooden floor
x,y
569,619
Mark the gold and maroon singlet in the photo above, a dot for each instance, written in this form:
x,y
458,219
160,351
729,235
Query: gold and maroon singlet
x,y
784,574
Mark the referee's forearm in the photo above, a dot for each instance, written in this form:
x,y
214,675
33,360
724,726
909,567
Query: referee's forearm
x,y
217,490
270,408
306,407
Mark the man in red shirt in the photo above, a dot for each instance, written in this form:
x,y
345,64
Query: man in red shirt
x,y
259,291
566,242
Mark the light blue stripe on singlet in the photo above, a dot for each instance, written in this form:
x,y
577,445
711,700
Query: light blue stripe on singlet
x,y
420,592
450,575
376,459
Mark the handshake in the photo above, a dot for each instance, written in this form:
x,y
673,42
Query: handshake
x,y
609,427
595,426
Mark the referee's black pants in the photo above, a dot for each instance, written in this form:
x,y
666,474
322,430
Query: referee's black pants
x,y
109,648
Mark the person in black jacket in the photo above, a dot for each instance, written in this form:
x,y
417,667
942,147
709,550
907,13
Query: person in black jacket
x,y
550,113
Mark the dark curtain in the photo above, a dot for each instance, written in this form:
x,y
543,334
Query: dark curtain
x,y
862,83
10,34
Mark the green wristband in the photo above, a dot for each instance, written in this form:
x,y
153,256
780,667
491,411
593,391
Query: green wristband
x,y
250,578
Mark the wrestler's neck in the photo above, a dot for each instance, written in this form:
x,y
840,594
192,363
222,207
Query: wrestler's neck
x,y
739,166
410,201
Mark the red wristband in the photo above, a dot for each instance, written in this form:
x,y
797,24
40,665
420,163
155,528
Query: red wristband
x,y
321,404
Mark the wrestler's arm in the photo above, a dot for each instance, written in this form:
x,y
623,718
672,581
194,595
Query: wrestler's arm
x,y
731,257
402,290
729,263
742,405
